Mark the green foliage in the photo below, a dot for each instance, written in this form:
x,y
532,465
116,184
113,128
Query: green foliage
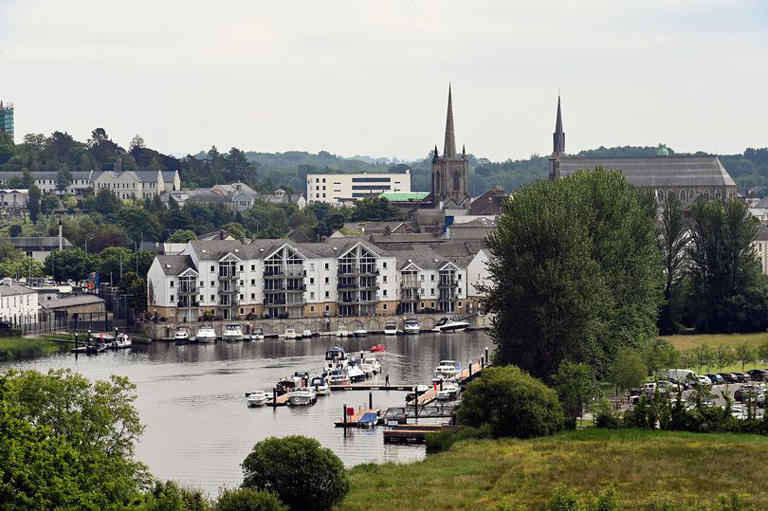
x,y
49,204
182,236
72,264
672,242
302,473
14,231
376,209
443,440
576,385
136,287
34,203
628,370
659,354
247,499
577,272
512,403
169,496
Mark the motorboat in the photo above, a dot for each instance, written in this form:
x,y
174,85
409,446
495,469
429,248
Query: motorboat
x,y
181,336
121,342
232,332
320,385
258,398
306,333
206,333
338,377
420,389
370,366
335,358
449,392
377,348
303,396
360,332
342,331
446,325
412,326
354,372
257,334
390,328
287,385
290,333
447,369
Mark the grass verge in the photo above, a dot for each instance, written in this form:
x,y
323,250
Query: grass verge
x,y
642,466
18,348
686,342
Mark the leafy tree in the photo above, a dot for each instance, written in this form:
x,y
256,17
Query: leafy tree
x,y
745,354
111,260
34,203
72,264
673,241
182,236
576,271
7,148
106,202
576,386
137,223
21,267
660,354
702,356
169,496
629,370
762,351
302,473
512,403
63,178
247,499
723,355
49,204
374,209
135,286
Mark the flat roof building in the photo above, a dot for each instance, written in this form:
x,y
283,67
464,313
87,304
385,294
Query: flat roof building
x,y
6,119
340,188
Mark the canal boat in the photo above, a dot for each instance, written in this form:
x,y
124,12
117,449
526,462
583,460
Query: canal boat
x,y
335,358
181,336
303,396
342,331
206,334
354,372
370,366
390,328
412,326
320,386
257,334
258,398
306,333
449,392
447,325
447,369
232,332
289,334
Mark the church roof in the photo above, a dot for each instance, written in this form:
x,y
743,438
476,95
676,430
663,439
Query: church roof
x,y
658,171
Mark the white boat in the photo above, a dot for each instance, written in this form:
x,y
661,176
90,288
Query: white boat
x,y
320,386
258,398
449,325
303,396
306,333
449,392
335,358
338,378
342,331
232,332
412,326
121,342
181,335
257,334
206,333
361,332
354,372
370,366
447,369
390,328
290,333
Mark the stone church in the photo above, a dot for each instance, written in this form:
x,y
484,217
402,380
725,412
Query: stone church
x,y
450,178
686,177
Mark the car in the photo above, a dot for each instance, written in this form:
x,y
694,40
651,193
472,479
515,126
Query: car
x,y
715,378
729,377
703,380
742,377
757,374
750,391
649,388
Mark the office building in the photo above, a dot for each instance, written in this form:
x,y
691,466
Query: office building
x,y
340,188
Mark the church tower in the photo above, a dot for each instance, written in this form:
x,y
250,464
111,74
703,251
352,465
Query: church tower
x,y
558,144
450,182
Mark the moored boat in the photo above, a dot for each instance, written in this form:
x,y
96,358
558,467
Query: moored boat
x,y
181,336
342,331
412,326
449,392
447,369
205,334
303,396
370,366
232,332
390,328
360,332
447,325
257,334
354,372
121,342
258,398
320,385
335,358
290,333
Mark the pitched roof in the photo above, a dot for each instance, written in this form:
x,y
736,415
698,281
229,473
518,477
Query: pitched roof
x,y
422,256
657,171
37,242
174,265
489,202
70,301
14,289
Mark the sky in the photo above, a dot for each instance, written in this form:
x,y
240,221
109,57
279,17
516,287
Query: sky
x,y
371,78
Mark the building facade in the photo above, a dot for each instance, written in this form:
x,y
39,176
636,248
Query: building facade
x,y
450,177
18,304
340,188
137,184
6,119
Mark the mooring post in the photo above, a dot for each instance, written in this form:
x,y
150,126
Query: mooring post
x,y
482,362
75,345
274,397
344,414
441,384
470,370
416,400
487,360
370,400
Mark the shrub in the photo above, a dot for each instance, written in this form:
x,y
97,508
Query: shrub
x,y
512,403
443,440
15,231
303,474
169,496
246,499
605,414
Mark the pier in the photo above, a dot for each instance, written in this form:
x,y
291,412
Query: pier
x,y
465,375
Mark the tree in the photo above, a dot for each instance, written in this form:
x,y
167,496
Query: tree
x,y
247,499
14,230
181,236
49,204
169,496
303,474
374,209
72,264
673,243
112,260
34,203
512,403
576,273
67,443
629,370
63,178
136,288
107,203
745,354
576,386
659,354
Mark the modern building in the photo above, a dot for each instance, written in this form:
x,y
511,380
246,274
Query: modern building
x,y
18,304
6,119
38,247
340,188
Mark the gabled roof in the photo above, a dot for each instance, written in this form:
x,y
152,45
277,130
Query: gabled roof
x,y
422,256
175,265
489,203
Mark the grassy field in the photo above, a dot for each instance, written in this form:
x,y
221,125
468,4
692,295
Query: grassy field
x,y
686,342
17,348
642,466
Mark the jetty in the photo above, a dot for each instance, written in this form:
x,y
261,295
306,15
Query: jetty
x,y
361,418
410,433
465,375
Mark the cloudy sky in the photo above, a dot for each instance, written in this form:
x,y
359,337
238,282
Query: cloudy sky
x,y
362,77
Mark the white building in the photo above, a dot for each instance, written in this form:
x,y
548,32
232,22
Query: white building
x,y
46,181
339,188
18,304
137,184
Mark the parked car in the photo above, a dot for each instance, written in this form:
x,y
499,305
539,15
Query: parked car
x,y
742,377
715,378
730,377
704,380
753,391
758,374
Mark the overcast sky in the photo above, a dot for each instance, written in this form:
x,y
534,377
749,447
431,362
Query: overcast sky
x,y
371,78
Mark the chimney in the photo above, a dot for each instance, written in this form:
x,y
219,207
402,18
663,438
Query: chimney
x,y
61,238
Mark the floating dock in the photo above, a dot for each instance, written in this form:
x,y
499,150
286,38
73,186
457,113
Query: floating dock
x,y
371,386
361,418
474,369
410,434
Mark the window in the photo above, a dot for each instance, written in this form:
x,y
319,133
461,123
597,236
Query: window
x,y
311,295
385,292
202,298
311,280
384,279
459,276
459,304
422,305
432,292
384,306
253,282
253,296
385,265
327,294
213,298
432,277
15,299
311,308
202,283
213,268
241,267
327,308
422,278
432,304
253,267
212,284
326,280
326,266
171,283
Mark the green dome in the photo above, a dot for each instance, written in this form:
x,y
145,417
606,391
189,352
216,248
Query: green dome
x,y
663,151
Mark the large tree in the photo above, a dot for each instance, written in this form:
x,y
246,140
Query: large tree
x,y
672,240
576,273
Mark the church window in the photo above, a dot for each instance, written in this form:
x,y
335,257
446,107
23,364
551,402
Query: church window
x,y
670,194
706,195
456,181
682,194
437,182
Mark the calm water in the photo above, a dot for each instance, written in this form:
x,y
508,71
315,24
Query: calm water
x,y
199,429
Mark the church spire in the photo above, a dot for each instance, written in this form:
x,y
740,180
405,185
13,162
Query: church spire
x,y
558,137
449,151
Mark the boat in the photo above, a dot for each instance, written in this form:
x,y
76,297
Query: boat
x,y
335,358
303,396
257,334
412,326
306,333
121,342
390,328
206,333
360,332
420,389
377,348
287,385
181,336
370,366
338,377
342,331
290,333
354,372
447,369
449,325
320,385
232,332
258,398
449,392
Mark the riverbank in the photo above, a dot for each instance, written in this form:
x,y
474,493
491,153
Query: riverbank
x,y
22,348
642,466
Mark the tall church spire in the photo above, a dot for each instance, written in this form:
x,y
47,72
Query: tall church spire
x,y
449,151
558,137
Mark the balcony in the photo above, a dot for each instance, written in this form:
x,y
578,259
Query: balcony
x,y
448,283
228,290
410,284
228,276
187,290
187,305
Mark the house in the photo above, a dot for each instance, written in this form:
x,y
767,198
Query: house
x,y
72,306
137,184
14,199
18,304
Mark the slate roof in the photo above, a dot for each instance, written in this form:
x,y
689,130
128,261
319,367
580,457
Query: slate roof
x,y
174,265
762,233
489,203
421,255
14,289
657,172
260,248
44,174
34,243
70,301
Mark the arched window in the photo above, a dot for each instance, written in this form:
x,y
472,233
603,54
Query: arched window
x,y
456,181
660,195
670,194
682,195
691,195
706,195
717,194
437,184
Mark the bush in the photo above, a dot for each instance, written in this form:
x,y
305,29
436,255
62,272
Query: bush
x,y
605,414
170,497
15,231
246,499
443,440
512,403
303,474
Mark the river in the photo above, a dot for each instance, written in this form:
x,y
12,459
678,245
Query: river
x,y
198,427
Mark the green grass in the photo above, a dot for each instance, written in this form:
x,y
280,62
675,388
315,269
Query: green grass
x,y
686,342
17,348
642,466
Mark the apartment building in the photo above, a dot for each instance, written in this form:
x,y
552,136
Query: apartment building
x,y
340,188
430,282
18,304
137,184
46,181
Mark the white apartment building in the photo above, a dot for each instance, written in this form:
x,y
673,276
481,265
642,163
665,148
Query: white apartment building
x,y
18,304
46,181
429,282
339,188
137,184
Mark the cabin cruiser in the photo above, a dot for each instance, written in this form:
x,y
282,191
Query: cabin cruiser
x,y
360,332
450,325
206,333
449,392
120,342
342,331
287,384
447,369
232,332
181,336
257,334
390,328
306,333
338,377
370,366
354,371
290,333
303,396
258,398
412,326
335,358
320,386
